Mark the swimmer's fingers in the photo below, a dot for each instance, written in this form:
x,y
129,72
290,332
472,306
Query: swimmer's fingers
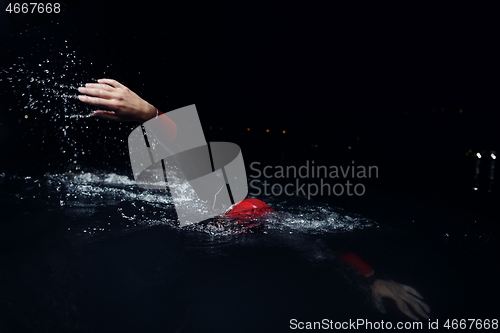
x,y
111,82
96,92
412,291
404,308
97,101
424,306
109,115
419,306
403,296
412,295
111,95
99,86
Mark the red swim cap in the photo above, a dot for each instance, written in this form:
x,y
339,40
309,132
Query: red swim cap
x,y
249,213
249,207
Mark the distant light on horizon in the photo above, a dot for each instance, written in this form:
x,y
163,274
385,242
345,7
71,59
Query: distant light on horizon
x,y
493,156
284,131
248,128
25,116
478,155
267,130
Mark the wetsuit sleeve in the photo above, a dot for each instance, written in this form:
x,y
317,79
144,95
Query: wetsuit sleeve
x,y
352,260
170,126
348,258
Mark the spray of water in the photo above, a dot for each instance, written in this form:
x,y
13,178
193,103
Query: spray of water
x,y
44,94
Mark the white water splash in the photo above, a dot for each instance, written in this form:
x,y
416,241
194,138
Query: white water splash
x,y
156,206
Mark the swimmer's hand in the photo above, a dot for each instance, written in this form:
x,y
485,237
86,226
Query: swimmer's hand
x,y
123,103
402,295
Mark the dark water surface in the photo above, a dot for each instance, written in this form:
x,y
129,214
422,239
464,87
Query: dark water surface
x,y
93,252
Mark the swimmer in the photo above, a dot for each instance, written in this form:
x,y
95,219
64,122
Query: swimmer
x,y
119,103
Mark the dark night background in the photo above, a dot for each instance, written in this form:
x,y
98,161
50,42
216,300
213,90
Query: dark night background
x,y
389,81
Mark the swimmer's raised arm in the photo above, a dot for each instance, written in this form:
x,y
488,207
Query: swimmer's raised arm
x,y
123,104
